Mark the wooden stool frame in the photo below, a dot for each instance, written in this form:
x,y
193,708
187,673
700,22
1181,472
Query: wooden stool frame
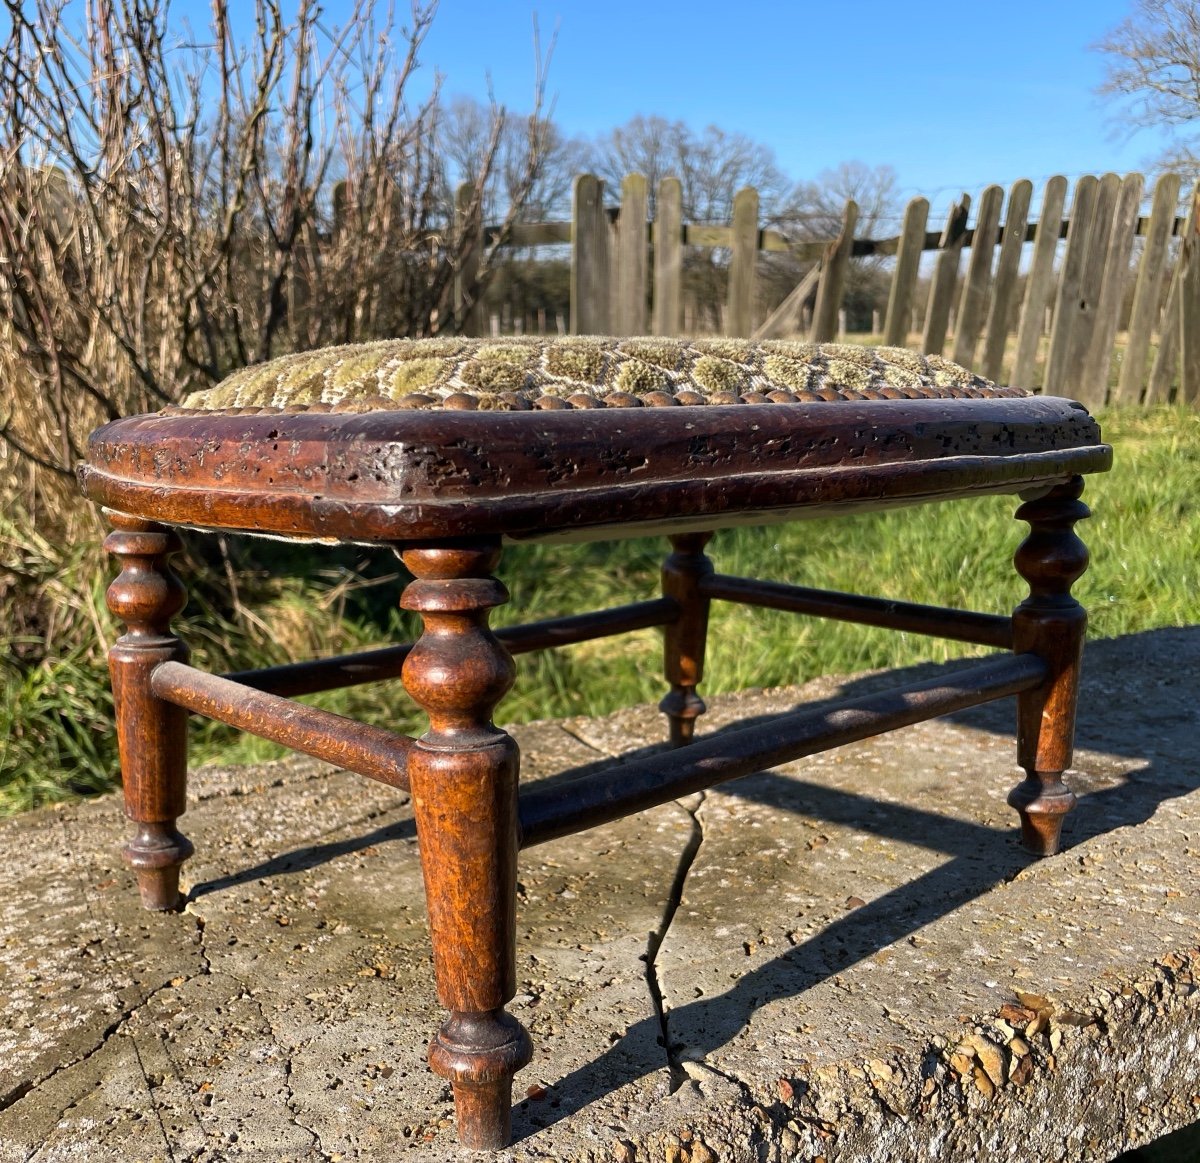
x,y
435,510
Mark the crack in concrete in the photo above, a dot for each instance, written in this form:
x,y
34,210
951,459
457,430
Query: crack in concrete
x,y
289,1100
678,1076
24,1088
12,1097
164,1044
154,1106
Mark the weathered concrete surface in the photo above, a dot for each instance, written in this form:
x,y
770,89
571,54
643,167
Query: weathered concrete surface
x,y
848,959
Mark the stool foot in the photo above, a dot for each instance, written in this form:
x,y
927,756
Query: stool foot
x,y
151,734
1042,800
479,1054
156,853
1051,624
683,707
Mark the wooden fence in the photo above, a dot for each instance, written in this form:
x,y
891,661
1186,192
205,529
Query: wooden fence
x,y
1041,302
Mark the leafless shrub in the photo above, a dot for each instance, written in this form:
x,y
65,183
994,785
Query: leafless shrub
x,y
173,207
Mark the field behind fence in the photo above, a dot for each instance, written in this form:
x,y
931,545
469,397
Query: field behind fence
x,y
1046,299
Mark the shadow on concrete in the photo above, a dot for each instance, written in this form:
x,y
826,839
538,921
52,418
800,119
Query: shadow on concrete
x,y
1141,715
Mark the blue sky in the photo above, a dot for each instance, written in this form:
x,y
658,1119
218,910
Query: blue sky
x,y
953,95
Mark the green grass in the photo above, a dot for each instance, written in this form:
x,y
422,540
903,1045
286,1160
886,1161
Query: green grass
x,y
1145,574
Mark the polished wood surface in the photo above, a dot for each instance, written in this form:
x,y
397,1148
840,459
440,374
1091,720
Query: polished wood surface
x,y
684,638
1050,623
957,625
346,670
405,476
359,747
463,773
554,811
151,733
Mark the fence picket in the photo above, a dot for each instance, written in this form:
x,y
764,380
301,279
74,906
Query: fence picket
x,y
668,258
1162,373
1001,310
945,275
1039,283
973,304
1147,295
1082,308
1094,384
589,258
1070,282
1189,306
739,315
833,278
904,278
630,314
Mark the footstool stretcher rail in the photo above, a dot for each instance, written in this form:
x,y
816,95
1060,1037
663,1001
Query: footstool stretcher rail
x,y
347,670
547,813
370,751
936,621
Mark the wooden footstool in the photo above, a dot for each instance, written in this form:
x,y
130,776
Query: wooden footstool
x,y
446,449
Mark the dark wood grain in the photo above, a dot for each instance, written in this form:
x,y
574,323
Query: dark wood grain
x,y
151,733
446,489
405,476
1050,623
552,811
463,773
685,637
370,751
346,670
958,625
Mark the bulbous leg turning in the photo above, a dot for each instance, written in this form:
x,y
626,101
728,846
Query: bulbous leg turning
x,y
151,734
1051,624
684,639
463,773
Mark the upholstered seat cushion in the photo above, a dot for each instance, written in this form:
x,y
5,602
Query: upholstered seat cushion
x,y
517,374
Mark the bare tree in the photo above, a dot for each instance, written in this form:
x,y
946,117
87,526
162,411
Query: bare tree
x,y
649,146
712,165
1152,71
715,164
815,208
464,137
815,211
172,208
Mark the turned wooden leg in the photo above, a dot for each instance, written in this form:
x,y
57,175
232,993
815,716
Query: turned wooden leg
x,y
151,734
463,773
1049,623
684,639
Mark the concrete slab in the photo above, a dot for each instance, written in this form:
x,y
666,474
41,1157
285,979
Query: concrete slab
x,y
845,959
